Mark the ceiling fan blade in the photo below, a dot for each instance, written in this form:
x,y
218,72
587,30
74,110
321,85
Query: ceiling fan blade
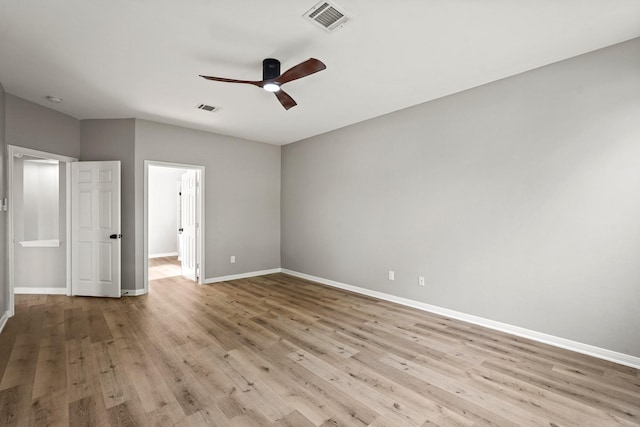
x,y
258,83
284,98
303,69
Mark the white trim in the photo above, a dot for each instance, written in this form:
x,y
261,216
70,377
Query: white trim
x,y
163,255
53,243
22,290
12,150
200,258
132,292
601,353
42,154
3,320
241,276
68,181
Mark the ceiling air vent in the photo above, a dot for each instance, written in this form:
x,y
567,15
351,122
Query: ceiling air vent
x,y
327,15
209,108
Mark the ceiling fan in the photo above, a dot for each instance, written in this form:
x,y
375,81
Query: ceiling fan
x,y
272,80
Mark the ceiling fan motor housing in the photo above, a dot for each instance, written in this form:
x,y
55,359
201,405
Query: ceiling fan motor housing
x,y
270,69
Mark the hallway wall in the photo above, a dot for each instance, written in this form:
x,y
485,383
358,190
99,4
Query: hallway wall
x,y
163,210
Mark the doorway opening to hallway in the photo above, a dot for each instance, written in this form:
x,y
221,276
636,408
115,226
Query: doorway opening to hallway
x,y
174,212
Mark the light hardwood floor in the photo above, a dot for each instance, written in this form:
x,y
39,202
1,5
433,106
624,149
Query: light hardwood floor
x,y
162,267
281,351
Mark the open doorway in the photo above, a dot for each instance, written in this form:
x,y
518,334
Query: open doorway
x,y
173,221
39,223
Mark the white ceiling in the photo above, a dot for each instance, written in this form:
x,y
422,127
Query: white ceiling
x,y
142,58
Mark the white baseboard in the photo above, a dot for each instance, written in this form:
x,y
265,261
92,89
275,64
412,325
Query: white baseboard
x,y
601,353
163,255
241,276
39,291
132,292
3,320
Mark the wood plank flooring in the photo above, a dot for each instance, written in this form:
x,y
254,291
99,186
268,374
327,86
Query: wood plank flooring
x,y
162,267
281,351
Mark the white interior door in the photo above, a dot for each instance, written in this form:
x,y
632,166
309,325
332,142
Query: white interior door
x,y
179,218
189,224
95,229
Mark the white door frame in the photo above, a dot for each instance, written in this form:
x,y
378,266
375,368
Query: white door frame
x,y
200,259
12,151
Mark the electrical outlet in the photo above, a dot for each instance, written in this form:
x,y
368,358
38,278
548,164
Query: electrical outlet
x,y
392,275
232,260
421,280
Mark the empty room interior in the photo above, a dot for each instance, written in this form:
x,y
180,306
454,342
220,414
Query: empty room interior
x,y
349,213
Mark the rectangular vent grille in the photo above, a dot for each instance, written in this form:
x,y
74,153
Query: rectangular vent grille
x,y
206,107
327,15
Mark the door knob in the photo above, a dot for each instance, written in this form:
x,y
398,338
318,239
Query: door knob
x,y
116,236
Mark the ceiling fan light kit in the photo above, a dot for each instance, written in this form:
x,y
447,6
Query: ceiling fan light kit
x,y
272,80
271,87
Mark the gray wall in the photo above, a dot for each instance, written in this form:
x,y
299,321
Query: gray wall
x,y
4,279
30,125
518,201
115,140
242,194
